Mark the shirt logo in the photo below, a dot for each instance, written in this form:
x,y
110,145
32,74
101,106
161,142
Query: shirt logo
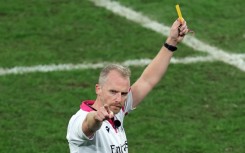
x,y
119,149
107,129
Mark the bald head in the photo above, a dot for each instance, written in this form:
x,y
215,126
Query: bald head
x,y
122,70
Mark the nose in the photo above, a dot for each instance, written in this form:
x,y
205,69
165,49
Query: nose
x,y
119,97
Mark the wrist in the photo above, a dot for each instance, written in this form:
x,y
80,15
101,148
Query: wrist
x,y
172,42
170,47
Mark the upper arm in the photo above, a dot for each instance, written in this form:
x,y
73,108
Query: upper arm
x,y
139,90
151,75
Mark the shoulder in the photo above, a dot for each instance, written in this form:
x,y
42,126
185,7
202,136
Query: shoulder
x,y
79,115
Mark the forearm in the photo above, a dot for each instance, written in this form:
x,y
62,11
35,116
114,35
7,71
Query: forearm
x,y
90,124
157,68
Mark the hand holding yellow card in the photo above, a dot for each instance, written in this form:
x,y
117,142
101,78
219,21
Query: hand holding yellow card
x,y
181,18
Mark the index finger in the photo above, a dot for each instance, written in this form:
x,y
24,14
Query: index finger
x,y
108,111
106,108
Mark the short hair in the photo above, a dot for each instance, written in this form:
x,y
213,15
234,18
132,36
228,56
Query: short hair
x,y
123,71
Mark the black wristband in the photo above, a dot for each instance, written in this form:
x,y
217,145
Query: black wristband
x,y
170,47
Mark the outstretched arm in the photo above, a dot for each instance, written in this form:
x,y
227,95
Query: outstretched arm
x,y
157,68
94,119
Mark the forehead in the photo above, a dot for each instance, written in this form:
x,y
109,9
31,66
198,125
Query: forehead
x,y
116,80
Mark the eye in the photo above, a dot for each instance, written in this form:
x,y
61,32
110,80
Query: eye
x,y
124,94
113,92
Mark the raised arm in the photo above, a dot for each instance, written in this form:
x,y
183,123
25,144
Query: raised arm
x,y
157,68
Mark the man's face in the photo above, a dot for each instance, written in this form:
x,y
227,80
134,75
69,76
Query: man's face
x,y
114,91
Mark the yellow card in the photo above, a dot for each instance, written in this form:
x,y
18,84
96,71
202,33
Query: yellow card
x,y
179,13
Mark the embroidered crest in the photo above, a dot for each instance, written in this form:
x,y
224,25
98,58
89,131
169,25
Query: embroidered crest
x,y
107,129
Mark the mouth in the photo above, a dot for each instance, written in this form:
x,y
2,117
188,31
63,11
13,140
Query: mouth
x,y
116,107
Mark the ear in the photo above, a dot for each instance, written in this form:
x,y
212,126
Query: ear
x,y
98,89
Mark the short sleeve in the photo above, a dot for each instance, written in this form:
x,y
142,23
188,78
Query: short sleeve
x,y
75,134
129,103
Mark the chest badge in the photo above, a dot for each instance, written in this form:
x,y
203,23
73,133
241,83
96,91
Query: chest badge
x,y
107,129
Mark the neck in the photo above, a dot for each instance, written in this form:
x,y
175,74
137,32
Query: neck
x,y
96,105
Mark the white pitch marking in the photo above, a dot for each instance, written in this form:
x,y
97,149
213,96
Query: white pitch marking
x,y
69,67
